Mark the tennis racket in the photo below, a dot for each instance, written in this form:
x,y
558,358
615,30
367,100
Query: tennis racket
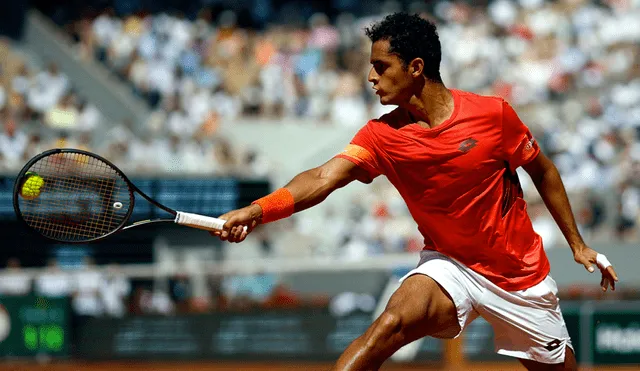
x,y
75,196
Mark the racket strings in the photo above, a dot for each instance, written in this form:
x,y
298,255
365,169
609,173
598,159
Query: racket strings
x,y
76,202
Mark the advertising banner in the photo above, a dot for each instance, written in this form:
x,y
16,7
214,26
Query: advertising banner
x,y
307,334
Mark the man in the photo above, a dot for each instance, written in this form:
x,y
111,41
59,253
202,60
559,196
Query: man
x,y
452,156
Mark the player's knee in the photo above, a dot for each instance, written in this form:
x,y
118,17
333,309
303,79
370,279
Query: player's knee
x,y
388,329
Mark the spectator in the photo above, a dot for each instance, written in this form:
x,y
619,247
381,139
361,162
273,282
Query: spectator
x,y
113,290
63,115
14,281
49,86
22,80
89,117
282,298
349,107
86,299
245,291
13,144
181,293
53,282
160,302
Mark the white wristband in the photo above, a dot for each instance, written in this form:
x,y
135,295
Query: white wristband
x,y
602,261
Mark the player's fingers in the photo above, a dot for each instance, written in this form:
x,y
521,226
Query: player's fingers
x,y
605,283
243,235
602,261
236,232
228,226
587,264
239,232
231,237
225,232
225,217
218,232
224,235
609,275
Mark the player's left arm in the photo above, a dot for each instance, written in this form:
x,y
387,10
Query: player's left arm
x,y
521,149
547,180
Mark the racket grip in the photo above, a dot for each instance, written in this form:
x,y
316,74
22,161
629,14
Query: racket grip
x,y
200,221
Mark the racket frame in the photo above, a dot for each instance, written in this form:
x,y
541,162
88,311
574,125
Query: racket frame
x,y
131,187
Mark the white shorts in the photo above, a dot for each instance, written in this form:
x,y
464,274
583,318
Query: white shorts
x,y
527,323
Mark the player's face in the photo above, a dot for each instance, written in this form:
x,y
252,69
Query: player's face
x,y
391,80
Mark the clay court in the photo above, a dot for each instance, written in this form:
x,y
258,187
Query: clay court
x,y
217,366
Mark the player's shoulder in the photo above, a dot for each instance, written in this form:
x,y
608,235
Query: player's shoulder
x,y
483,102
394,119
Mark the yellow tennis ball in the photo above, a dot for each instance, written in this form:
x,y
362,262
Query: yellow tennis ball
x,y
31,186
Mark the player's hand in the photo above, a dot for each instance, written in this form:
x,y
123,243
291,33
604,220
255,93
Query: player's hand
x,y
588,257
237,220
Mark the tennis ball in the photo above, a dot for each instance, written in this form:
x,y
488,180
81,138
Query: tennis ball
x,y
31,186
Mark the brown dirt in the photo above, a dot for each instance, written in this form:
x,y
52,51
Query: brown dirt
x,y
222,366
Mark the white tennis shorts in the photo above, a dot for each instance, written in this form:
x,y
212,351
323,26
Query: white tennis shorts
x,y
527,324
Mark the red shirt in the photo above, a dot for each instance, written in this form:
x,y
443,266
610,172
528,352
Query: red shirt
x,y
459,182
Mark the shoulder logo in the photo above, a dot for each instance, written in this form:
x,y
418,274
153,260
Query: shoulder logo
x,y
529,145
467,145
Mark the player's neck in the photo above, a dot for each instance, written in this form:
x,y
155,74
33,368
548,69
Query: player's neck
x,y
432,107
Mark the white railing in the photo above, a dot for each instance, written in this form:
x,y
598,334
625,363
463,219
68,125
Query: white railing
x,y
565,271
238,267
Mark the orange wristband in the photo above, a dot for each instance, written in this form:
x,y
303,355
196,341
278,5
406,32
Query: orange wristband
x,y
278,205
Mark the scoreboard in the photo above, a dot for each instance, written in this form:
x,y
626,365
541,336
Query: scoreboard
x,y
31,325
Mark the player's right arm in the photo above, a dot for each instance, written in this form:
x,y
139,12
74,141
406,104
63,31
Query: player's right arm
x,y
311,187
305,190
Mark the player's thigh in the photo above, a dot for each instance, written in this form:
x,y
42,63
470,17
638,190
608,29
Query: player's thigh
x,y
424,308
569,364
528,324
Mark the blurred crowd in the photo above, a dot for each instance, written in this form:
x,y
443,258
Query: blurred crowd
x,y
40,110
109,292
199,73
570,68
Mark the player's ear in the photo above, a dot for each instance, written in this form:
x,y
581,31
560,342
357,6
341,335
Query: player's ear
x,y
416,67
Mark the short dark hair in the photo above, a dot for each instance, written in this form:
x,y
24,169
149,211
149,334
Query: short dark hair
x,y
410,37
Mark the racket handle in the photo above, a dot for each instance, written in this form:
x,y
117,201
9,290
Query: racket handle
x,y
200,221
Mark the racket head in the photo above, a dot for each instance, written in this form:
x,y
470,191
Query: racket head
x,y
81,197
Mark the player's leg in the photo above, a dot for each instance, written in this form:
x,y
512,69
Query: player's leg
x,y
569,363
420,307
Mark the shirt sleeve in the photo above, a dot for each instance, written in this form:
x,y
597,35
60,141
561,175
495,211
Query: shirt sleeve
x,y
518,143
361,151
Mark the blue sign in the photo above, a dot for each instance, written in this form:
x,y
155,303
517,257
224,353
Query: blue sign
x,y
209,196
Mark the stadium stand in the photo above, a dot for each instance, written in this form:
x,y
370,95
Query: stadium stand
x,y
571,69
579,93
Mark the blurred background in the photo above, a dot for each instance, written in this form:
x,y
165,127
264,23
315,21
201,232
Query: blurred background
x,y
210,104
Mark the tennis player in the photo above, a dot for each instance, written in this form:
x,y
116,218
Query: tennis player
x,y
453,156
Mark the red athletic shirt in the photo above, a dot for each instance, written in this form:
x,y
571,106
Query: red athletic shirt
x,y
459,182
